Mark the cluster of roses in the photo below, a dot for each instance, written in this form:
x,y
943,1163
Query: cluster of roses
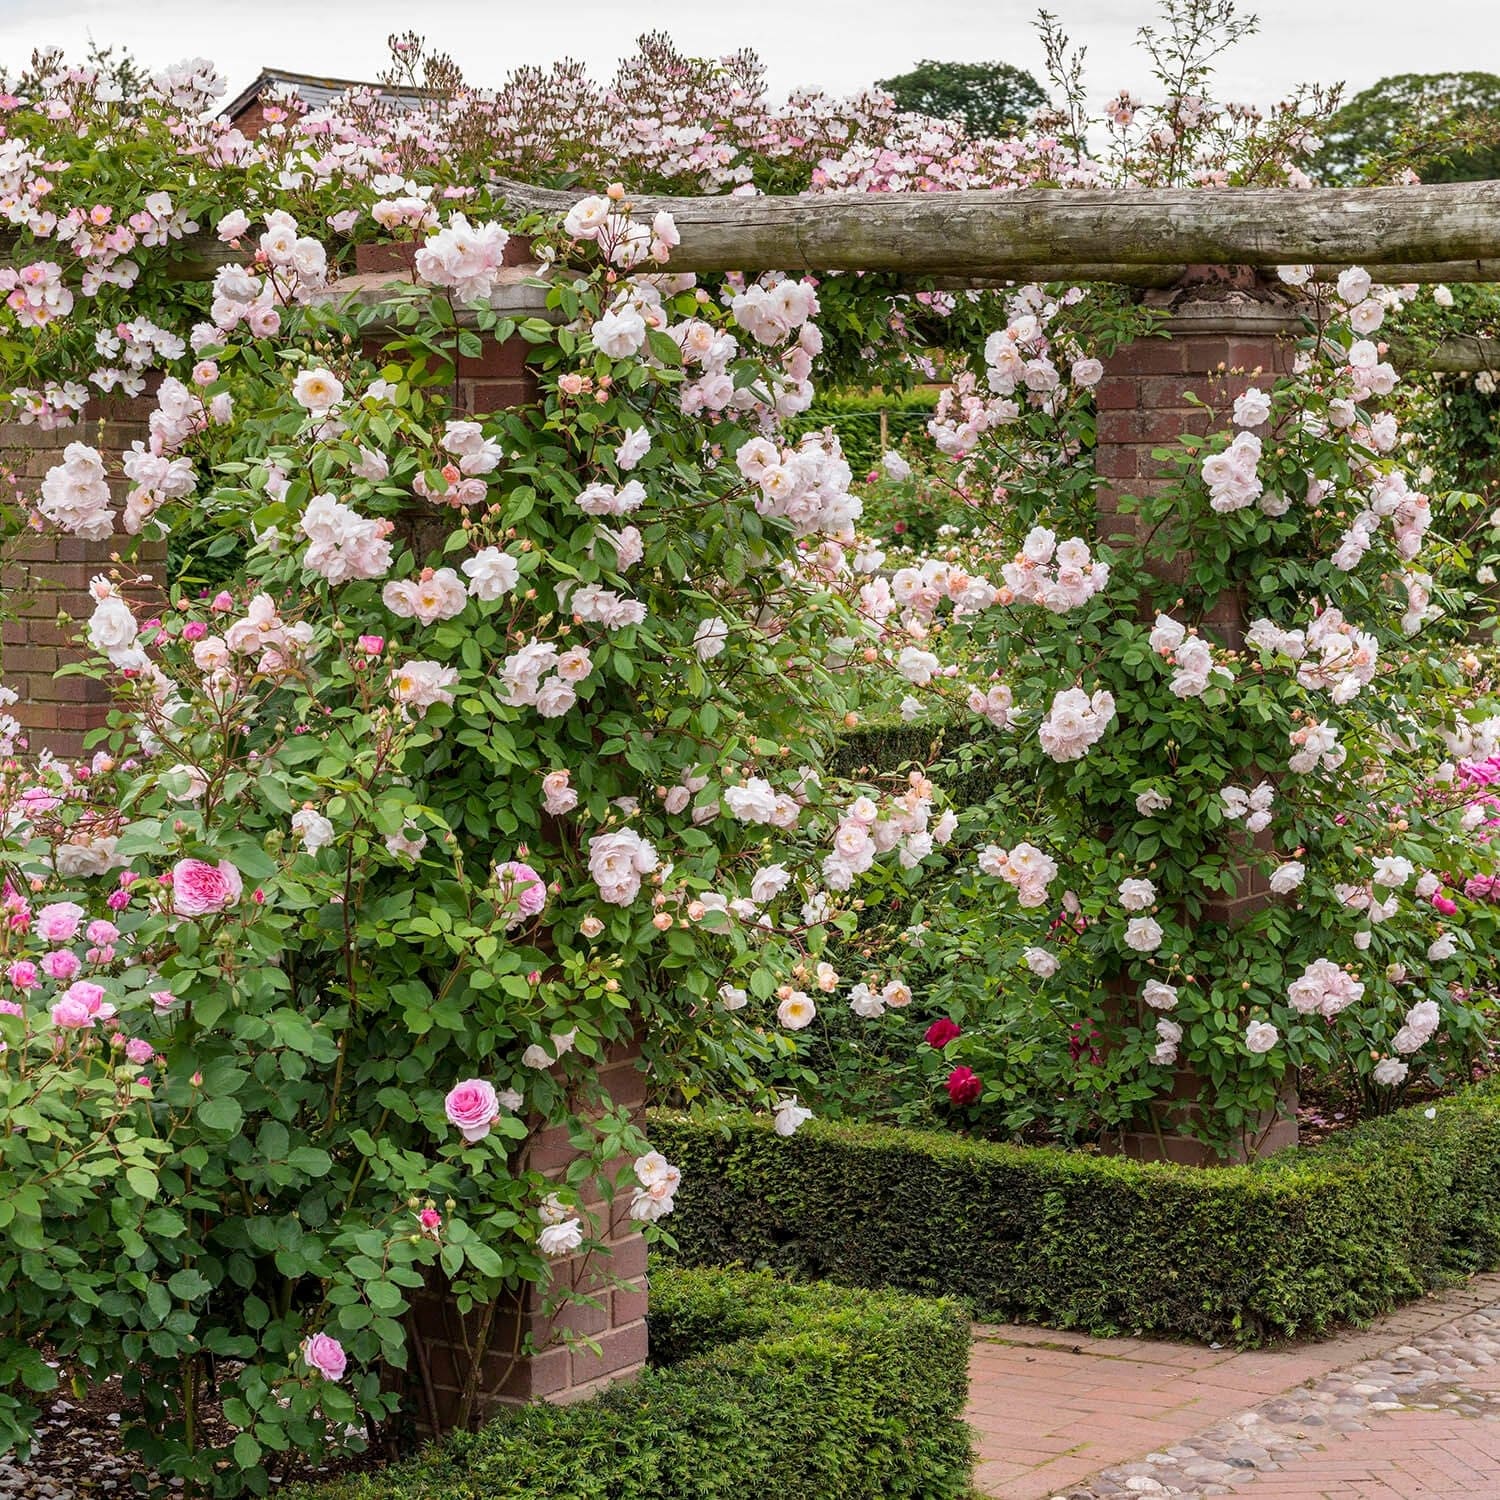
x,y
1056,576
1190,655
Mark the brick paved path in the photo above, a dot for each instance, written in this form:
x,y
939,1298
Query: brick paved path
x,y
1058,1415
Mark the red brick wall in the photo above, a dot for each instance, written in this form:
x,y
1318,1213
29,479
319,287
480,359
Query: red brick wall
x,y
50,576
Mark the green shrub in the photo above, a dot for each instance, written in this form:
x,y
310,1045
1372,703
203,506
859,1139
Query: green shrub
x,y
856,420
1291,1245
759,1388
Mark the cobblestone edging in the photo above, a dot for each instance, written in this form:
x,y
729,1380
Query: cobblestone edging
x,y
1427,1374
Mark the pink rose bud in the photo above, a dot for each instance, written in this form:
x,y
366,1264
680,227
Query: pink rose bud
x,y
194,630
372,645
196,1080
430,1219
222,603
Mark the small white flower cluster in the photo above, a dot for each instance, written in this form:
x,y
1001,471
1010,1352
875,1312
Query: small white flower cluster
x,y
1323,989
463,257
1231,474
541,676
1168,1036
807,485
867,830
1190,654
1075,722
1057,576
1253,807
1340,659
343,544
870,1003
1410,514
617,861
996,703
75,494
1314,745
659,1181
1422,1022
920,591
1025,867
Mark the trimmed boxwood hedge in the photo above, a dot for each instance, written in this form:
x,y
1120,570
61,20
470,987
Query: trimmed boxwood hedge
x,y
1291,1245
856,420
758,1388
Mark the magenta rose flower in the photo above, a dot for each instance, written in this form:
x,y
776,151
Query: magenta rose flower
x,y
325,1355
473,1106
23,974
199,888
940,1033
521,887
964,1086
58,923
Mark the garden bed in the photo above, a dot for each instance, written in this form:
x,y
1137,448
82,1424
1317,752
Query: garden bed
x,y
757,1387
1295,1244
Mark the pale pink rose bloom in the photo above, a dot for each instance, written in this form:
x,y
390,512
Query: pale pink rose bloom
x,y
59,922
200,889
325,1356
521,887
61,964
473,1106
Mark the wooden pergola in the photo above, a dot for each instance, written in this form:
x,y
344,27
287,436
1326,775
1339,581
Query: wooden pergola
x,y
1146,237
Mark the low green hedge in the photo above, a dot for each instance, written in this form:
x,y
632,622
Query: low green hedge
x,y
856,420
758,1388
1294,1244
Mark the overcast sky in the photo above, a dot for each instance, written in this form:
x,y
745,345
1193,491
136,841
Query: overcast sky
x,y
837,44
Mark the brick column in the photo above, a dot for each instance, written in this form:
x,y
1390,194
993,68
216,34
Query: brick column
x,y
48,574
447,1346
562,1369
1228,331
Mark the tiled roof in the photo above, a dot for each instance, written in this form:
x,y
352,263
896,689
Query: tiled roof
x,y
315,92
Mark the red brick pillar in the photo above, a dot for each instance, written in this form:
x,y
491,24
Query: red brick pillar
x,y
563,1367
1224,335
48,574
488,1343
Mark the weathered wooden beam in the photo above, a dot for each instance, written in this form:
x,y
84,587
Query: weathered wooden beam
x,y
1141,237
970,233
1458,354
1455,271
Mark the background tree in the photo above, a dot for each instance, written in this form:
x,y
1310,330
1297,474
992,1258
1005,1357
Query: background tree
x,y
1446,126
991,98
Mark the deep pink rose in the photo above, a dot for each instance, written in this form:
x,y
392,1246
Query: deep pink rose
x,y
940,1033
325,1355
965,1086
199,888
473,1106
23,975
59,922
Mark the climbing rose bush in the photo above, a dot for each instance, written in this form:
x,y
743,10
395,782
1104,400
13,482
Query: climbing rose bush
x,y
1330,752
503,760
